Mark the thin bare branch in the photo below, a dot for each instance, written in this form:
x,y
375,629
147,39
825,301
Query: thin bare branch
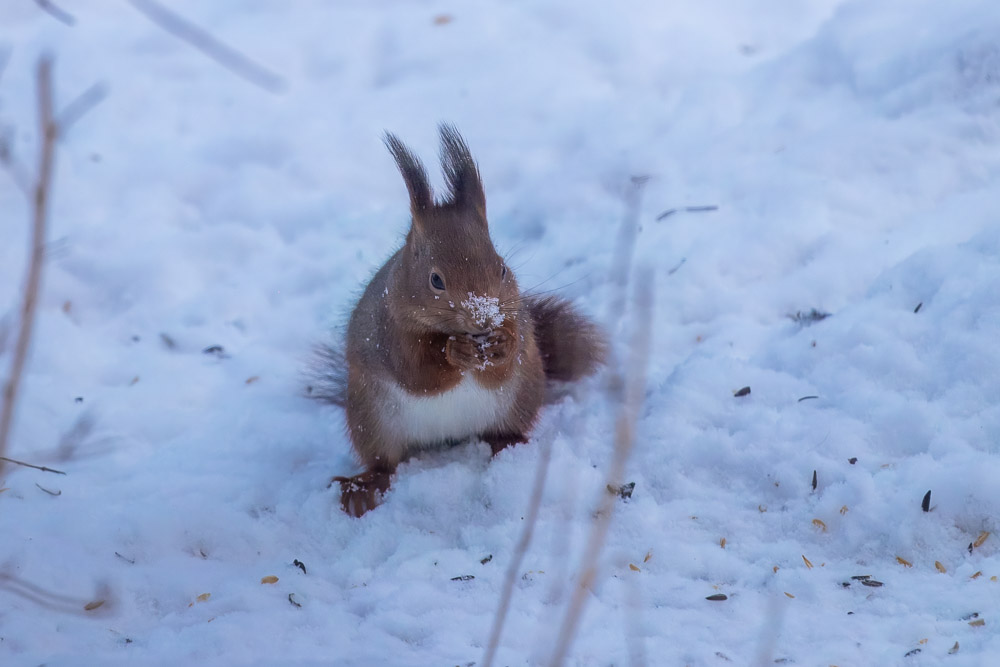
x,y
80,106
225,55
622,260
11,580
31,465
632,397
76,436
49,132
58,13
44,598
48,491
522,547
687,209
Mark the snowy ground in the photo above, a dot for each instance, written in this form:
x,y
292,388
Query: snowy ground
x,y
853,150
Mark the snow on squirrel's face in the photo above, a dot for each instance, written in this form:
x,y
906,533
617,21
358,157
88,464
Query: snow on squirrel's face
x,y
484,310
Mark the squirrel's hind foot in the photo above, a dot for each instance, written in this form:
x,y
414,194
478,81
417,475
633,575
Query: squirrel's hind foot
x,y
362,492
498,443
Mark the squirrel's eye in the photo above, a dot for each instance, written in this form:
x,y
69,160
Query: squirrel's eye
x,y
503,272
437,282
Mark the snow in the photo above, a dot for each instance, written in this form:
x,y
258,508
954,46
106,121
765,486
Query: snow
x,y
852,151
484,309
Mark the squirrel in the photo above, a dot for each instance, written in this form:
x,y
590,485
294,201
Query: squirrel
x,y
443,347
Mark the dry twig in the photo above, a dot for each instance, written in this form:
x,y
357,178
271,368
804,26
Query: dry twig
x,y
48,491
624,253
54,601
31,465
56,12
632,395
687,209
40,208
50,130
522,547
227,56
76,109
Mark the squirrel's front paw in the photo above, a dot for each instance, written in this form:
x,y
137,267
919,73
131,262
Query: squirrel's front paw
x,y
499,347
464,352
362,492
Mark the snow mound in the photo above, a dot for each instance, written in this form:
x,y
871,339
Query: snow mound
x,y
834,157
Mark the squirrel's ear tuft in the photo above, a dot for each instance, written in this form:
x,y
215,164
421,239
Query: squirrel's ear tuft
x,y
414,175
465,187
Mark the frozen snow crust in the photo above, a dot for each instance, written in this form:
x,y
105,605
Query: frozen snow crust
x,y
853,150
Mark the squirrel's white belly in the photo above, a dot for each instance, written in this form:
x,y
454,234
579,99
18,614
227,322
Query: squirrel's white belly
x,y
462,412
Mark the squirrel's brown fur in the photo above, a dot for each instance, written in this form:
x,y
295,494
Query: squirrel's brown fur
x,y
442,346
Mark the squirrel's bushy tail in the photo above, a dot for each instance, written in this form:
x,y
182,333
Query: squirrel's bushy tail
x,y
572,346
326,376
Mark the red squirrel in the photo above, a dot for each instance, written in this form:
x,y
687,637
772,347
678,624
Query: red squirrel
x,y
443,346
